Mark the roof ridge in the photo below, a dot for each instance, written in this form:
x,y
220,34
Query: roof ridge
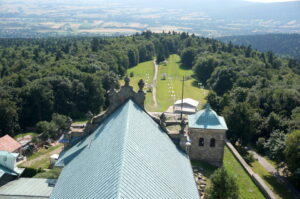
x,y
128,104
207,118
214,114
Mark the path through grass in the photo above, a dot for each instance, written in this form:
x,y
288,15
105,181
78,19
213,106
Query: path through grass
x,y
41,159
271,181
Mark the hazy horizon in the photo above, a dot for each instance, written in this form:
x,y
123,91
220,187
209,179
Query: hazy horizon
x,y
212,18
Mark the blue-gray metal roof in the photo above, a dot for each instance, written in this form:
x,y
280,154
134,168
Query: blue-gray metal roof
x,y
27,188
207,119
128,156
8,164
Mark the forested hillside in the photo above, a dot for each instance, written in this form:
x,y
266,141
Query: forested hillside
x,y
281,44
257,92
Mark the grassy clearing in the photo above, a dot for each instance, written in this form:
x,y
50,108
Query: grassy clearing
x,y
173,71
248,190
173,83
32,134
40,159
143,71
271,181
81,121
43,163
43,152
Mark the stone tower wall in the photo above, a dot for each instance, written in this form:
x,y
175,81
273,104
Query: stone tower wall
x,y
212,155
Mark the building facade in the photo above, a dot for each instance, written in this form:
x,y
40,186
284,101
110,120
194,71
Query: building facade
x,y
186,106
207,132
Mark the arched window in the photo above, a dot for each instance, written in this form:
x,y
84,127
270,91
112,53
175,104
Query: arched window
x,y
212,142
201,142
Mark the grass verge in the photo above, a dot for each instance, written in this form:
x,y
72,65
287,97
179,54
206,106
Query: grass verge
x,y
247,188
44,151
32,134
271,181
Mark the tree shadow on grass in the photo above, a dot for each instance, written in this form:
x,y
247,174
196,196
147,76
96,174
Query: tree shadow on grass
x,y
181,66
195,84
279,188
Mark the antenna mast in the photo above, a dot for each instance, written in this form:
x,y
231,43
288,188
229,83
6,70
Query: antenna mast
x,y
182,97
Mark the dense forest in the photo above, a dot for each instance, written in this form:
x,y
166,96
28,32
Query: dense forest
x,y
258,93
281,44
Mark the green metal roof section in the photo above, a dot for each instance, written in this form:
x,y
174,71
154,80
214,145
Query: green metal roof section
x,y
8,164
207,119
128,156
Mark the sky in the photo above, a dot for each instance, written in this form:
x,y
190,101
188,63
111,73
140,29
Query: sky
x,y
270,1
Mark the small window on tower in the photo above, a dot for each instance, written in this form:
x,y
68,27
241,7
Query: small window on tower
x,y
201,142
212,142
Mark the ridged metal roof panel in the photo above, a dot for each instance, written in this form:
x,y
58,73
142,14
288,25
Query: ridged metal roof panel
x,y
207,119
128,156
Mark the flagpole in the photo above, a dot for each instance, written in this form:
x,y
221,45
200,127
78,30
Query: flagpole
x,y
182,97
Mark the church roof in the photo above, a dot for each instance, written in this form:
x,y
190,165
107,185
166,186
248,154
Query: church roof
x,y
207,119
9,144
128,156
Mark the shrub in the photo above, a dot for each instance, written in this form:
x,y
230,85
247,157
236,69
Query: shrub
x,y
275,146
131,74
260,145
30,172
248,157
223,186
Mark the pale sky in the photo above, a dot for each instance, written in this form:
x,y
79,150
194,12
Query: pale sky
x,y
270,1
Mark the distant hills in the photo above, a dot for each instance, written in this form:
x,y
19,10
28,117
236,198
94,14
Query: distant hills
x,y
281,44
209,18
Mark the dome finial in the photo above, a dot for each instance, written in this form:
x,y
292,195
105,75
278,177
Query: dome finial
x,y
207,106
127,80
141,84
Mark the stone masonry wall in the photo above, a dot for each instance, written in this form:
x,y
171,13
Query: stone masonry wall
x,y
212,155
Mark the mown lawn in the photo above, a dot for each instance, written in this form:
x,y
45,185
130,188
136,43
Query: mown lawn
x,y
44,151
174,74
173,85
81,121
143,71
271,181
42,163
32,134
248,190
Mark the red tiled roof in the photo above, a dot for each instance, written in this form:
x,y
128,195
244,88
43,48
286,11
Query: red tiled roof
x,y
9,144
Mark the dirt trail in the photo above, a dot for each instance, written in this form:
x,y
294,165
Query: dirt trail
x,y
47,155
154,83
272,170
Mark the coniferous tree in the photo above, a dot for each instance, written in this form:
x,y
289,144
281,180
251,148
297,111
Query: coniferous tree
x,y
223,186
